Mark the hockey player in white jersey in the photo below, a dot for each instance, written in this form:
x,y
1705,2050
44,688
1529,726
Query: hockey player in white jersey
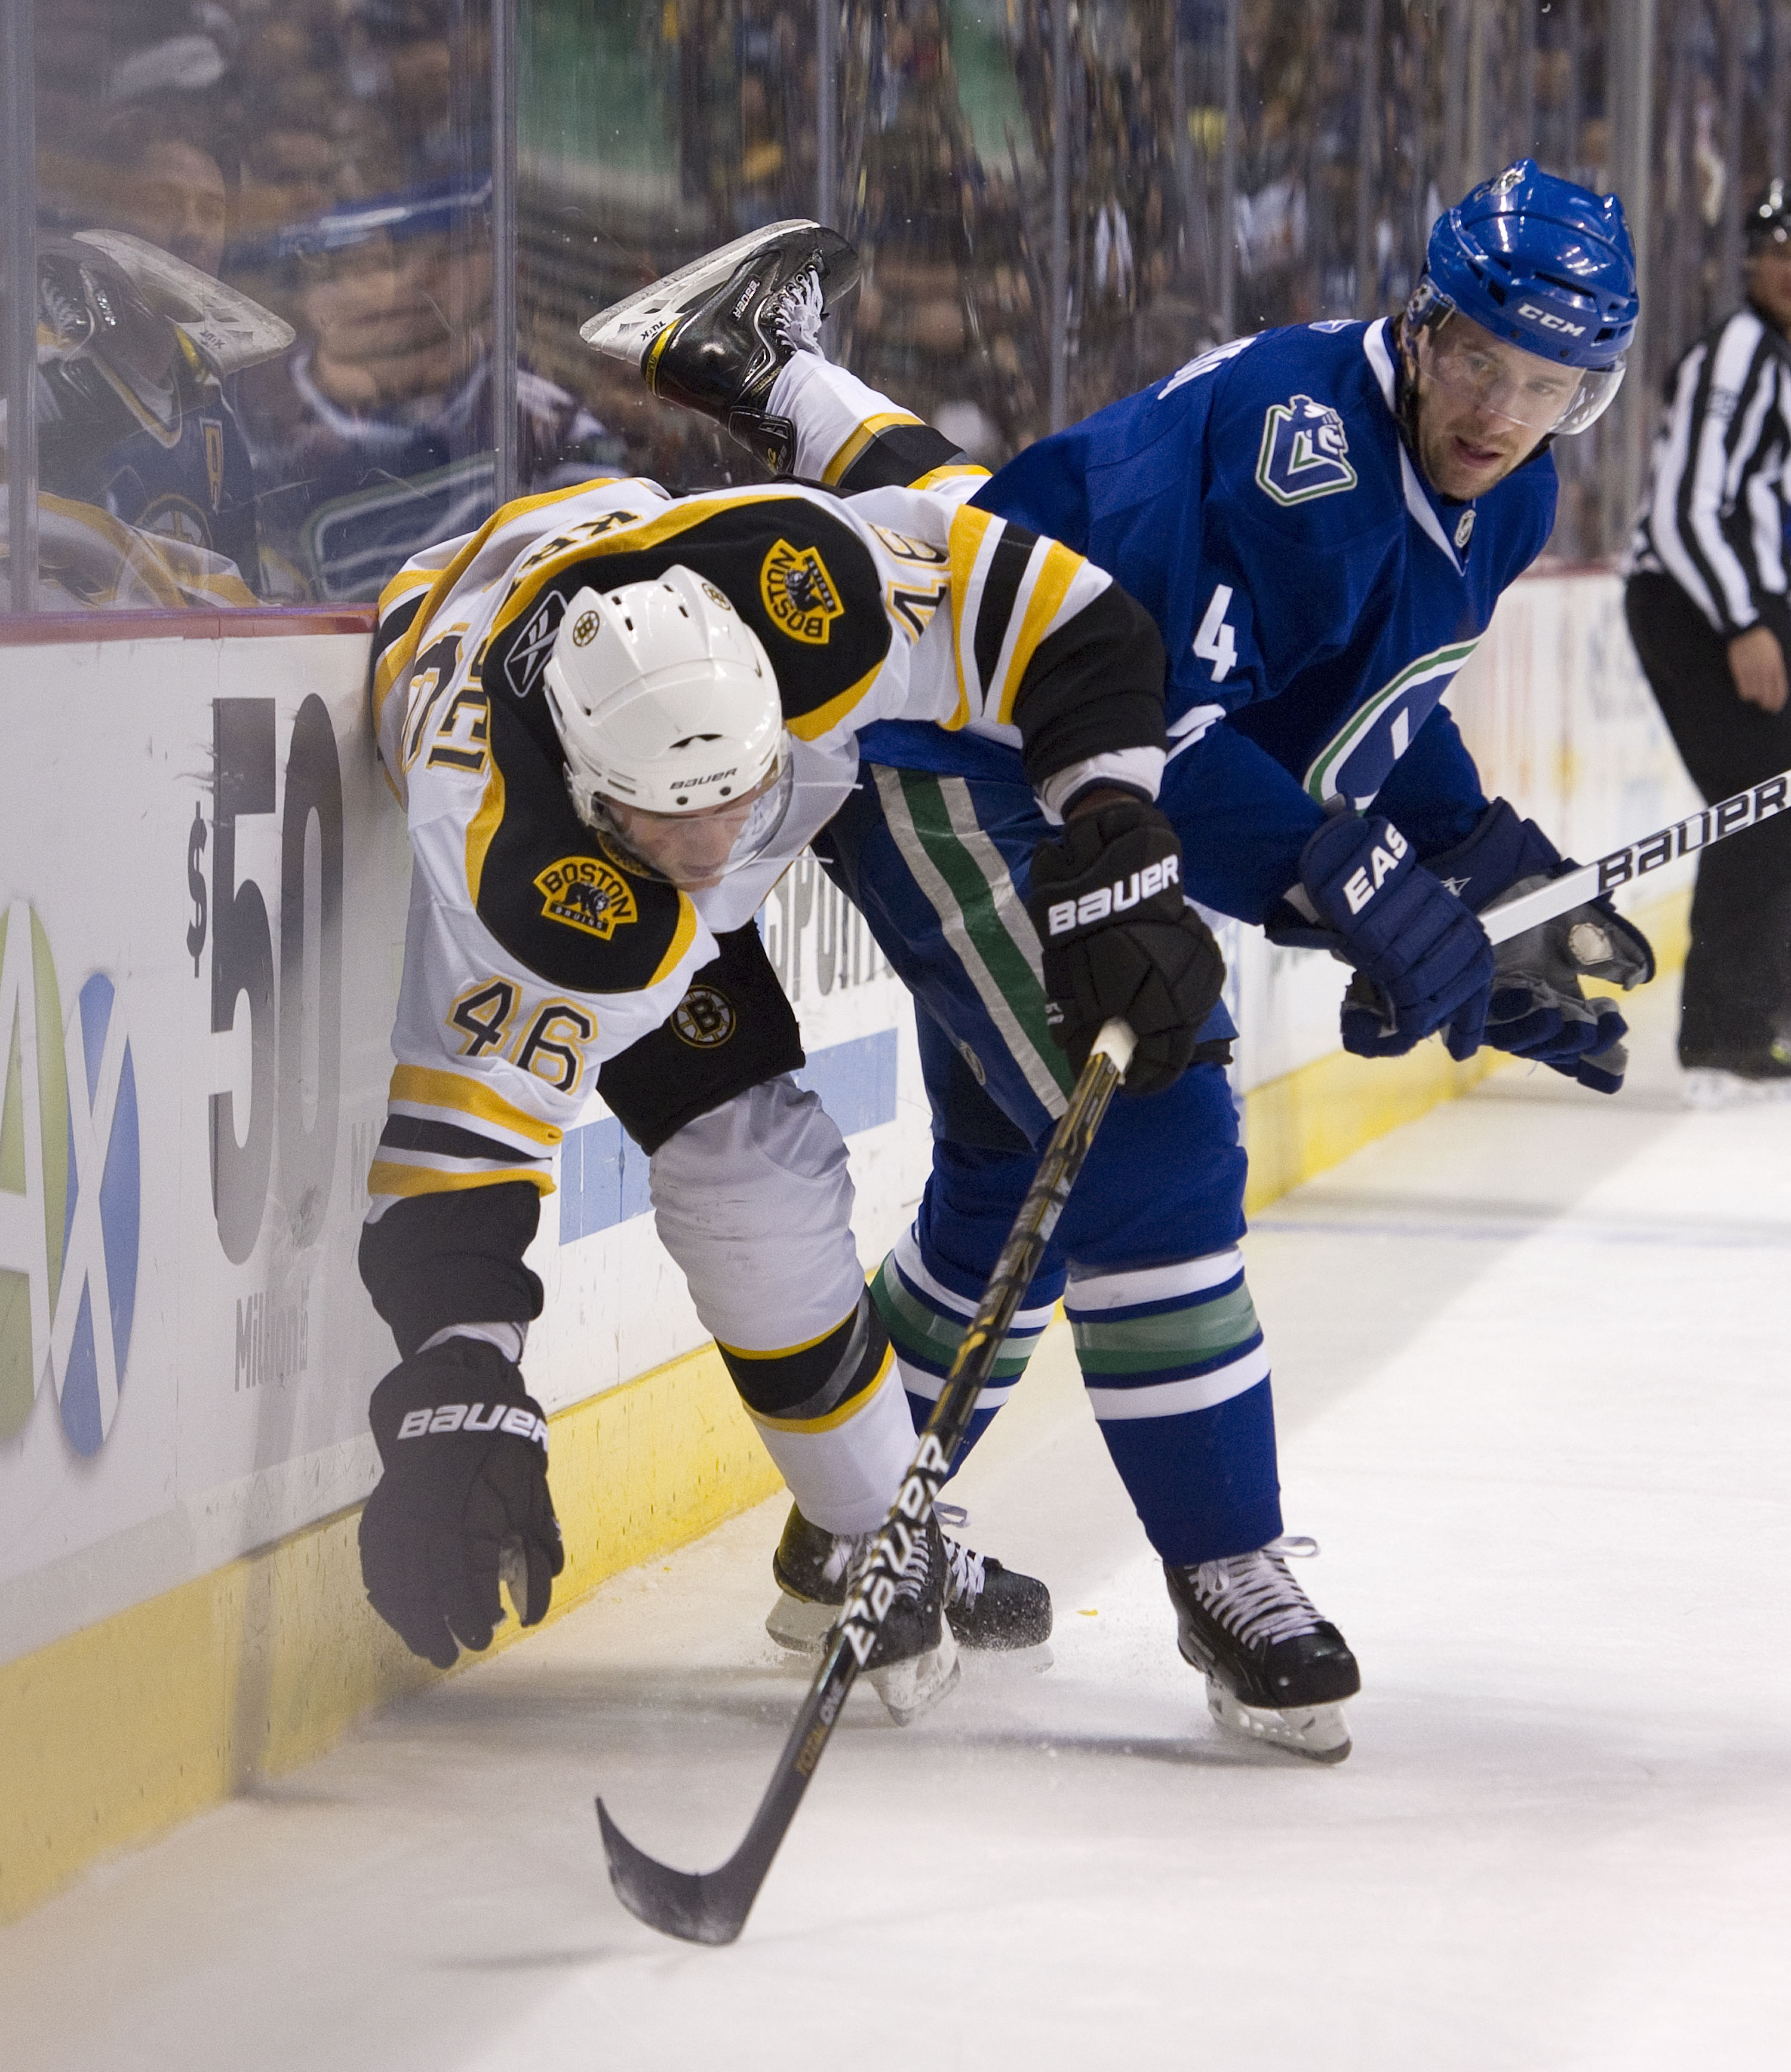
x,y
614,718
1295,512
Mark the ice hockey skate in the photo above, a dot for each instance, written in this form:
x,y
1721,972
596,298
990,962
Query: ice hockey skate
x,y
713,336
916,1661
1732,1079
1275,1671
988,1608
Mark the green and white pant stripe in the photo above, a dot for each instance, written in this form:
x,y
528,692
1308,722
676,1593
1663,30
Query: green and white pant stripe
x,y
1156,1342
927,1321
964,876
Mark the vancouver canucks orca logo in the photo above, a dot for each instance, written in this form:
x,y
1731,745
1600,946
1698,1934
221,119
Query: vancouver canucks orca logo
x,y
1304,452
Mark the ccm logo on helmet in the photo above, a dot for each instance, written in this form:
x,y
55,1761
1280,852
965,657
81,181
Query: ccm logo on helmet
x,y
1549,321
472,1417
1108,900
1356,887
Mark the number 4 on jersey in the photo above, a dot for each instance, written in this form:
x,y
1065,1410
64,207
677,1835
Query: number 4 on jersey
x,y
1215,641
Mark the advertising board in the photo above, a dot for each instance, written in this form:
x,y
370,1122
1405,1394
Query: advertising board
x,y
203,885
202,889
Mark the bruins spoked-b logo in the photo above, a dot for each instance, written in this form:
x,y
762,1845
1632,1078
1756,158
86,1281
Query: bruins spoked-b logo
x,y
799,593
704,1019
586,894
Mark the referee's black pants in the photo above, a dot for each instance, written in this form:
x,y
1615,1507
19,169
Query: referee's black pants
x,y
1736,997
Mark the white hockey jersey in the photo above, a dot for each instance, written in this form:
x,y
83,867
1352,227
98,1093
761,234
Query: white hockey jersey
x,y
533,954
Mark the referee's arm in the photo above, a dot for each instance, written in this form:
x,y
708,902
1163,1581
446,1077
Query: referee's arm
x,y
1715,519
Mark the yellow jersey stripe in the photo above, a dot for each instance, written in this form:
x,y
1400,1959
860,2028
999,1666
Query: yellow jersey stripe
x,y
405,1181
395,664
811,726
629,539
397,659
406,583
970,542
429,1086
483,827
683,936
861,438
1031,569
955,472
1050,588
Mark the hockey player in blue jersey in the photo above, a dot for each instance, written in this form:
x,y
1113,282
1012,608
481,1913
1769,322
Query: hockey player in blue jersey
x,y
1321,519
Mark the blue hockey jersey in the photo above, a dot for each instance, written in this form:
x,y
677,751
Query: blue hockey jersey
x,y
1315,595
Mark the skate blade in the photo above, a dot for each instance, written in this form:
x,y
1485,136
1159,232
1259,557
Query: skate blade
x,y
625,329
1007,1661
799,1626
1706,1087
916,1686
1315,1731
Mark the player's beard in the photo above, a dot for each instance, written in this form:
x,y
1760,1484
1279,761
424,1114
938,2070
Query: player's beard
x,y
1462,450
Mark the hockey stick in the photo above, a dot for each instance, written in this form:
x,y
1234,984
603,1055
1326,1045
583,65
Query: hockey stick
x,y
712,1906
1635,860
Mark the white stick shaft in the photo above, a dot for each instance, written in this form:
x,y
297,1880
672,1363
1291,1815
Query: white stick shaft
x,y
1637,860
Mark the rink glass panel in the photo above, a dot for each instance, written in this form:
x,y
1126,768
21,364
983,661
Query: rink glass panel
x,y
1053,208
264,298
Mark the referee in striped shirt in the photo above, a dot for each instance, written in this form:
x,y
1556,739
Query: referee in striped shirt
x,y
1707,605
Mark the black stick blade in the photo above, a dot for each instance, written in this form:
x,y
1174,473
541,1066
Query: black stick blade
x,y
692,1905
712,1906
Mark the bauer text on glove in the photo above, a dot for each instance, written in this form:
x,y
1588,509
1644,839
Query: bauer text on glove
x,y
1120,938
464,1449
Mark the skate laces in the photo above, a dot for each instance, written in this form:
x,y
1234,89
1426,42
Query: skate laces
x,y
796,311
964,1576
849,1556
1254,1596
846,1554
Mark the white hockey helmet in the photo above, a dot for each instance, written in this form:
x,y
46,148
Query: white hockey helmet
x,y
666,707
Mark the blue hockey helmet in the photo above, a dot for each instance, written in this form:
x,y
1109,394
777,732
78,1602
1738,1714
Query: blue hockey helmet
x,y
1547,267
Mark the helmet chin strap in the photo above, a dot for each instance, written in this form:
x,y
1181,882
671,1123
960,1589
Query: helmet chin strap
x,y
1405,408
1405,390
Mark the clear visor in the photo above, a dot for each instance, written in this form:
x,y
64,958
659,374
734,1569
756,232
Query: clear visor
x,y
1502,381
694,851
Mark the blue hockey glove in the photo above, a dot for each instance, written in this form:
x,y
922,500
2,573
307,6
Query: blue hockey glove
x,y
1539,1009
464,1448
1425,958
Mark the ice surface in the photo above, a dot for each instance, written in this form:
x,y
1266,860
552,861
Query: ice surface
x,y
1534,1404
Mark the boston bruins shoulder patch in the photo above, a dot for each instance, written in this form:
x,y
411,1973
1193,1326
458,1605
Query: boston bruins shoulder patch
x,y
802,598
704,1019
586,894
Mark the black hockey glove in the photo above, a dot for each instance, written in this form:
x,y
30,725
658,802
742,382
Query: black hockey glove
x,y
464,1447
1538,1009
1120,940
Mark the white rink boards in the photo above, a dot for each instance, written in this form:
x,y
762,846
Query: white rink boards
x,y
1529,1357
240,934
200,962
199,977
